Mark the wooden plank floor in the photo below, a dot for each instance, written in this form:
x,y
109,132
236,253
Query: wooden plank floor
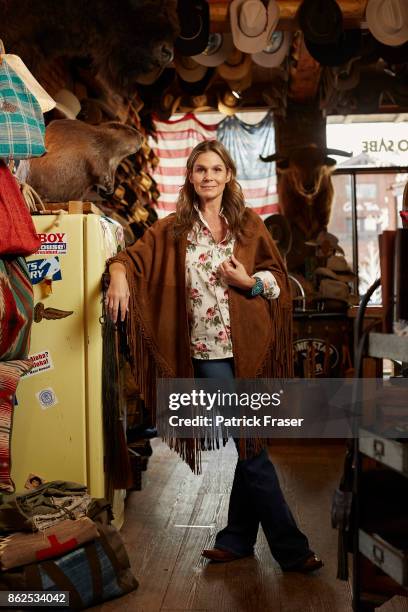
x,y
177,514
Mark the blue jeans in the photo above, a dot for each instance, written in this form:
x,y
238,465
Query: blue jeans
x,y
256,498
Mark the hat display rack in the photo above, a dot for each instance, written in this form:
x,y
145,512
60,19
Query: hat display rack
x,y
253,54
236,55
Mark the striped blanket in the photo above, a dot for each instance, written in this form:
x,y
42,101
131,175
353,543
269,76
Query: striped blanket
x,y
16,308
16,313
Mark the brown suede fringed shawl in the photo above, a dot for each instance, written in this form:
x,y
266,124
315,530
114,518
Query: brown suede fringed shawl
x,y
157,324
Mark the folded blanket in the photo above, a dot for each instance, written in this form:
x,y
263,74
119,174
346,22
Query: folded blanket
x,y
22,548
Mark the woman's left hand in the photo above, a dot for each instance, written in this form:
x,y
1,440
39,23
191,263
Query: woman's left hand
x,y
234,273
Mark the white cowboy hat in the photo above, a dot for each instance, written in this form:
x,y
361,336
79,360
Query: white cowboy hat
x,y
275,51
16,63
388,21
189,70
67,103
236,66
216,52
252,23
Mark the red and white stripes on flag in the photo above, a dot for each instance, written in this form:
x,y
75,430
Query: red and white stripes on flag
x,y
245,142
175,140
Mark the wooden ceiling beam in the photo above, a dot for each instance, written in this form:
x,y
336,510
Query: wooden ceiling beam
x,y
353,14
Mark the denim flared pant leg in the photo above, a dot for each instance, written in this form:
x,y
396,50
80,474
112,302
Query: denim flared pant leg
x,y
256,498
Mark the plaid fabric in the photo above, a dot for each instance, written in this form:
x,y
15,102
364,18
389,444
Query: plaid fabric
x,y
22,127
10,374
16,308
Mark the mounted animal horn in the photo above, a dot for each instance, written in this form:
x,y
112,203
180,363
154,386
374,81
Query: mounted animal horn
x,y
272,158
337,152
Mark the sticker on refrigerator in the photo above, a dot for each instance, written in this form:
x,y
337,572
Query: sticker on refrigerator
x,y
54,243
47,398
41,269
41,363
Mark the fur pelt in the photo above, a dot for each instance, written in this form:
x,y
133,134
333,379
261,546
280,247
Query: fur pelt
x,y
78,157
125,38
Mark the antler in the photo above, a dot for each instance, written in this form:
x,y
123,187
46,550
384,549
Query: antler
x,y
338,152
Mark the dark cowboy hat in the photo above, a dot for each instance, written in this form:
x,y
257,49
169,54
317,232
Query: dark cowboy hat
x,y
338,52
194,18
279,228
197,88
394,55
321,21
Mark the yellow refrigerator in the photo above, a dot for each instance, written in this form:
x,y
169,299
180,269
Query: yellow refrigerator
x,y
58,423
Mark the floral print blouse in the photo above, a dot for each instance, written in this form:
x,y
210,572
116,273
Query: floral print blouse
x,y
207,293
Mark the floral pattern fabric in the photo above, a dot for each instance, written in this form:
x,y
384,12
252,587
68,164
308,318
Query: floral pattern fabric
x,y
207,292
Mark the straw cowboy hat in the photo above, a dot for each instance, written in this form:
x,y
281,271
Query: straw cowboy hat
x,y
193,77
228,104
236,66
189,70
276,50
194,18
67,103
217,50
252,23
16,63
387,20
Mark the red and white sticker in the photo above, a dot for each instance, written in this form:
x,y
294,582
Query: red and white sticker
x,y
41,363
53,243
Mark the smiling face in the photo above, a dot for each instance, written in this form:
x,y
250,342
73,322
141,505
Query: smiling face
x,y
209,176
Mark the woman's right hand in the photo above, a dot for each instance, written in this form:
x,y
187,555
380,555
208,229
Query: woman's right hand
x,y
117,295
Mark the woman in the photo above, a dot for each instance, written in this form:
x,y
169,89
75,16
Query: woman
x,y
208,296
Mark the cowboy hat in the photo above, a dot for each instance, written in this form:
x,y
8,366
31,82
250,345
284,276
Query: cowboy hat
x,y
189,70
393,55
275,51
228,104
348,76
387,20
328,273
217,50
194,18
167,106
241,85
321,21
336,290
16,63
252,23
338,263
279,228
198,86
339,51
326,243
236,66
67,103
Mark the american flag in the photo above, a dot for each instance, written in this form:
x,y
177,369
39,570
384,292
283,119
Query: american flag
x,y
245,142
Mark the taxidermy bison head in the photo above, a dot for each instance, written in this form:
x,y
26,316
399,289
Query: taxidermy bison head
x,y
306,168
125,40
79,156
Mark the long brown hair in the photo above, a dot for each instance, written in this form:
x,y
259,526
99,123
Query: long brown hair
x,y
233,203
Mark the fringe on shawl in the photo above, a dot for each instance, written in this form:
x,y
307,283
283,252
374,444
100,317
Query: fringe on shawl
x,y
277,363
147,365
